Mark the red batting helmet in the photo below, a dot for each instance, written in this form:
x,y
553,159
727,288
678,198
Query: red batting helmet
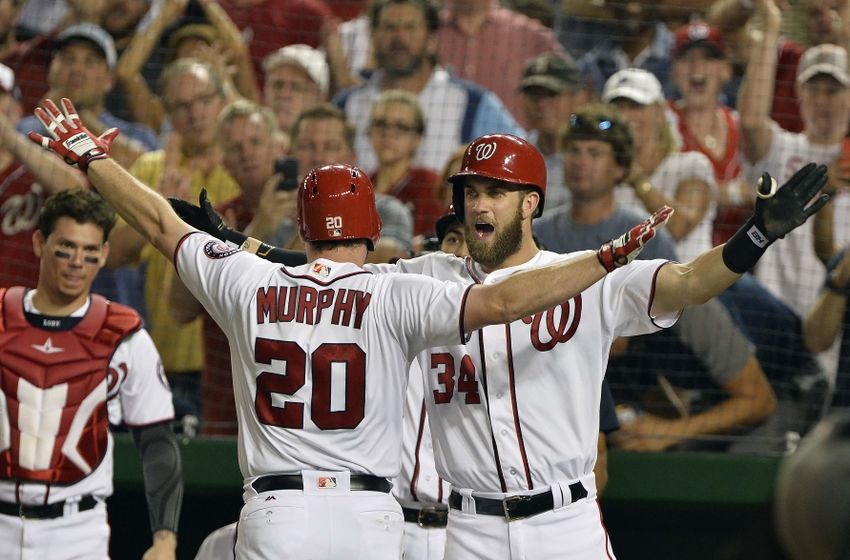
x,y
503,157
336,203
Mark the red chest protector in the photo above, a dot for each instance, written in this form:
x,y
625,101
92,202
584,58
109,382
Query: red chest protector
x,y
53,418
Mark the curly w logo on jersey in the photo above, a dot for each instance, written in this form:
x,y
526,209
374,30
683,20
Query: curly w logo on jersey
x,y
567,315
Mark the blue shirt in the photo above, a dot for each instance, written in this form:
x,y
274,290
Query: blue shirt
x,y
455,111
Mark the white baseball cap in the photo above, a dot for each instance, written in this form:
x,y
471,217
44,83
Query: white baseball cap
x,y
305,57
633,83
93,34
824,59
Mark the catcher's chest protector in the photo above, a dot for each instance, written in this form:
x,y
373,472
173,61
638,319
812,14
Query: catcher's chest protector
x,y
53,387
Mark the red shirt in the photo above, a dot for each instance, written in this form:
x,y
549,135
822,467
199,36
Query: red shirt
x,y
347,9
21,199
273,24
495,56
786,106
218,408
728,165
417,190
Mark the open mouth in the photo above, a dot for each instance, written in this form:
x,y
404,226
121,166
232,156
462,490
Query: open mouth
x,y
484,230
697,82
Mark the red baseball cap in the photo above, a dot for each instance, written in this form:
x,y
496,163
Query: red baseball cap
x,y
699,34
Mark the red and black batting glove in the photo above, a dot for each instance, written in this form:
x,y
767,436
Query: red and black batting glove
x,y
68,137
778,211
623,250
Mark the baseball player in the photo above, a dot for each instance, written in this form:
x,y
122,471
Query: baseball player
x,y
72,363
514,412
320,352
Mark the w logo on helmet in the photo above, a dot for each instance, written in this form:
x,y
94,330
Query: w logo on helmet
x,y
485,151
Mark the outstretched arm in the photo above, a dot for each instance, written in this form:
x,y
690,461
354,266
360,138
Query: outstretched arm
x,y
777,212
48,170
537,289
145,210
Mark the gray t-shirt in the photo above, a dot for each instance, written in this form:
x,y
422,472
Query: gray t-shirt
x,y
558,233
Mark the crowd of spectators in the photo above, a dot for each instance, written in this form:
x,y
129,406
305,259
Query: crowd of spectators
x,y
634,105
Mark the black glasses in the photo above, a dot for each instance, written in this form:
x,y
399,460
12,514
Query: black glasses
x,y
394,126
582,124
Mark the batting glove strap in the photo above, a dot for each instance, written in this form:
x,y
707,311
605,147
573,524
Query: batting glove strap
x,y
610,257
745,248
623,250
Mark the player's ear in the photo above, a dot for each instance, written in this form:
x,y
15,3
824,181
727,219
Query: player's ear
x,y
38,241
530,202
104,254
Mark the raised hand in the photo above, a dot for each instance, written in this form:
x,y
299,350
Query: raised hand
x,y
205,218
68,137
623,250
780,210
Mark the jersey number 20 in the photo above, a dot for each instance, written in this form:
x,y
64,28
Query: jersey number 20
x,y
291,414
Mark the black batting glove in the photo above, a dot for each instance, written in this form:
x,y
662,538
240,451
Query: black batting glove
x,y
204,217
778,211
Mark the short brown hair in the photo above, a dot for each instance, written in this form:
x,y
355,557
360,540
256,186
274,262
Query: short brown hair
x,y
324,111
82,206
602,122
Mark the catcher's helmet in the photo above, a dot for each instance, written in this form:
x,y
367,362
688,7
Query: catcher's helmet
x,y
504,157
336,203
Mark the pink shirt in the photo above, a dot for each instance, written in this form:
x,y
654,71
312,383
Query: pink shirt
x,y
494,57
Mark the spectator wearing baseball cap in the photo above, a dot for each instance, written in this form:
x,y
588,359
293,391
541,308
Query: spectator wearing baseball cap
x,y
551,89
82,69
296,79
661,174
823,86
28,176
704,123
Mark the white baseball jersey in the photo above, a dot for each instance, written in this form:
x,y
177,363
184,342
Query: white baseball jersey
x,y
517,407
137,393
320,354
418,480
792,272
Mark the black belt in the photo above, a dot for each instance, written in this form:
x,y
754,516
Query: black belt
x,y
517,507
47,511
363,482
427,516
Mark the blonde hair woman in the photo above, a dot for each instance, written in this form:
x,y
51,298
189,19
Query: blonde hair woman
x,y
396,126
660,173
